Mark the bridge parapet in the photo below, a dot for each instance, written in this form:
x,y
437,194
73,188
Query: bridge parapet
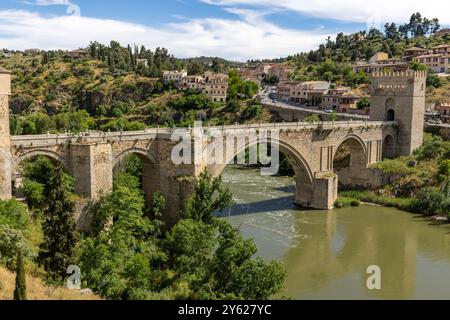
x,y
166,133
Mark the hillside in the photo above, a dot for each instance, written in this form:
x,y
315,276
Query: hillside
x,y
55,93
37,290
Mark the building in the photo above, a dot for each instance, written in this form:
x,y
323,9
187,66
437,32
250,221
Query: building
x,y
79,54
444,112
173,76
214,85
309,93
380,62
281,71
442,32
284,90
191,82
438,60
261,71
342,99
414,52
142,62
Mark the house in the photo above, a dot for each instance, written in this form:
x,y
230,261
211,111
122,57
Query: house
x,y
281,71
142,62
261,71
442,32
438,60
173,76
79,54
308,93
342,99
380,62
414,52
214,85
444,112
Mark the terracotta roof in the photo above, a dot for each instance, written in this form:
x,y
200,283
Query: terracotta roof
x,y
416,49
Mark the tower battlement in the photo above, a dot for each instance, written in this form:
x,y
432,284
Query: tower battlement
x,y
399,74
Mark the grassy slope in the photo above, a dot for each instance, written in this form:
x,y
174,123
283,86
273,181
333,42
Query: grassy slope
x,y
37,290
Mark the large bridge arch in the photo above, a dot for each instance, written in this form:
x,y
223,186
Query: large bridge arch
x,y
304,177
150,172
16,173
52,155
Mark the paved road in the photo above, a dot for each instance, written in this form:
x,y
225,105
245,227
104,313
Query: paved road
x,y
268,97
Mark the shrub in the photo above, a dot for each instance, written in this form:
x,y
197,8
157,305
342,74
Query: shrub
x,y
429,201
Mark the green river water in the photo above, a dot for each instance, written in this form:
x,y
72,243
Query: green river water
x,y
327,253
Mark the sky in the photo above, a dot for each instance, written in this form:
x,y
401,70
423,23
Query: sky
x,y
233,29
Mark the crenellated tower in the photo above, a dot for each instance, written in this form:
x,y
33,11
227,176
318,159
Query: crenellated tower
x,y
5,143
400,97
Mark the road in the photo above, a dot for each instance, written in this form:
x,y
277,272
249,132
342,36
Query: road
x,y
268,97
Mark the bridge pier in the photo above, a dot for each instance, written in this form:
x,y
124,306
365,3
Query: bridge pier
x,y
91,166
320,194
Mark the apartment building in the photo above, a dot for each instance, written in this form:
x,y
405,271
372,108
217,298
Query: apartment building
x,y
380,62
414,52
437,60
214,85
306,93
174,76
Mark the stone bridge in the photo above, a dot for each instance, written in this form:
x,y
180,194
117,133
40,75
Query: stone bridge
x,y
90,158
398,105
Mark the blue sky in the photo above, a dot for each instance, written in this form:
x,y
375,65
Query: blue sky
x,y
233,29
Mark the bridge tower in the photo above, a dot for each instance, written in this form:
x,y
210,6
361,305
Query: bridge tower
x,y
5,143
400,96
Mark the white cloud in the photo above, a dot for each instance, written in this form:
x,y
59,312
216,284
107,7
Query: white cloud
x,y
249,36
360,11
72,8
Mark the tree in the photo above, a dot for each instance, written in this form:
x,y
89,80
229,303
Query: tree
x,y
20,291
363,103
60,236
210,196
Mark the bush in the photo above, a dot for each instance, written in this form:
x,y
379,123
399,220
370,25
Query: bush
x,y
34,193
12,241
344,202
14,215
429,201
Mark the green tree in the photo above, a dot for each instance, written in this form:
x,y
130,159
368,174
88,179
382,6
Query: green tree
x,y
20,291
57,250
210,196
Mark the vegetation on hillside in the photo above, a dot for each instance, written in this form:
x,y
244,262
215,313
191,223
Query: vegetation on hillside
x,y
333,59
109,90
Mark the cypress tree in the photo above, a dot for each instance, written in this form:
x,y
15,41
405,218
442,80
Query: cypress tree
x,y
60,235
20,292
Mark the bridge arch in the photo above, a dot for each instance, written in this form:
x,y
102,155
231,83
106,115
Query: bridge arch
x,y
304,176
52,155
143,154
350,160
17,174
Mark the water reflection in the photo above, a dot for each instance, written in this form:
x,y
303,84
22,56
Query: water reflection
x,y
326,253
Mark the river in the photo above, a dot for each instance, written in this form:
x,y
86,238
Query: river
x,y
327,253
